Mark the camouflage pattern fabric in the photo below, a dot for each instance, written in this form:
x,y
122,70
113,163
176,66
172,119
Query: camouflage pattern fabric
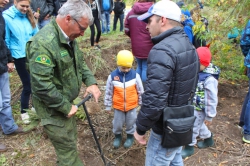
x,y
245,44
57,72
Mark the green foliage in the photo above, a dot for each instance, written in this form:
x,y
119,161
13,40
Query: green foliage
x,y
3,159
223,16
80,114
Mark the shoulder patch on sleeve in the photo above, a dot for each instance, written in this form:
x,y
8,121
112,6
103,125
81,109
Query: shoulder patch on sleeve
x,y
44,59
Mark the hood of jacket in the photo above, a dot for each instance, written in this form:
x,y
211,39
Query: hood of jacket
x,y
13,12
141,7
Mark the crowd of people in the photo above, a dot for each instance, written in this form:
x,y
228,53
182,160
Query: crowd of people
x,y
168,78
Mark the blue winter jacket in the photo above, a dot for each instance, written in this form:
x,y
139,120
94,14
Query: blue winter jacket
x,y
245,44
188,24
18,31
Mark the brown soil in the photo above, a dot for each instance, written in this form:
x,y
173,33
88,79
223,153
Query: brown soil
x,y
35,148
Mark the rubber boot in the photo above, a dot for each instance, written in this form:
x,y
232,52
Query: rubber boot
x,y
187,151
129,141
117,141
206,142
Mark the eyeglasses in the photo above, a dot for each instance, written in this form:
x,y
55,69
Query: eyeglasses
x,y
80,27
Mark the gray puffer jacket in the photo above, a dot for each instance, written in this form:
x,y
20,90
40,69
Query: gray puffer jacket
x,y
173,67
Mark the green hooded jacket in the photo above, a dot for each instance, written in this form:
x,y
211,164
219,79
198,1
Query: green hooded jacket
x,y
56,73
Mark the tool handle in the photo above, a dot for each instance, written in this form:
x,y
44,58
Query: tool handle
x,y
84,100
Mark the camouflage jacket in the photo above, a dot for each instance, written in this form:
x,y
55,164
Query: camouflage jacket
x,y
56,72
245,44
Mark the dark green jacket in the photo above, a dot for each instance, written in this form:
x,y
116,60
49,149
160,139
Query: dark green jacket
x,y
56,73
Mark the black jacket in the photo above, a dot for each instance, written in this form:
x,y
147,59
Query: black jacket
x,y
46,7
58,4
119,8
173,67
5,55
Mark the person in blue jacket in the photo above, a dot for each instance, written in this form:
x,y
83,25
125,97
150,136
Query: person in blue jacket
x,y
20,27
188,23
106,9
245,113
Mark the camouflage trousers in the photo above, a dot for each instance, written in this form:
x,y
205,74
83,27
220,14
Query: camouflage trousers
x,y
64,140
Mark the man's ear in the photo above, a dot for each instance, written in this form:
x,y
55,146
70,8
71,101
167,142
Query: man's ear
x,y
67,19
163,21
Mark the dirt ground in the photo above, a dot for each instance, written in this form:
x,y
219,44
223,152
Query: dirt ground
x,y
35,149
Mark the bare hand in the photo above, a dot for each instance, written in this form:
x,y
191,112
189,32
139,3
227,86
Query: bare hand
x,y
36,15
140,138
207,123
94,90
47,17
11,67
72,111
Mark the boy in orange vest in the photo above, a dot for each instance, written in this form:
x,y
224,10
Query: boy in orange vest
x,y
123,92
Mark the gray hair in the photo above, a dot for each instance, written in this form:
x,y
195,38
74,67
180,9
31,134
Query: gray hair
x,y
77,9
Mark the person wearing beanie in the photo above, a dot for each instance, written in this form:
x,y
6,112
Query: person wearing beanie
x,y
205,102
123,93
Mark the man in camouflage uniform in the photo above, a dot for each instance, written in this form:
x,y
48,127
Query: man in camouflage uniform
x,y
57,70
245,113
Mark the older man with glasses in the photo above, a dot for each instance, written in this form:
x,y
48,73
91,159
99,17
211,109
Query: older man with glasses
x,y
57,70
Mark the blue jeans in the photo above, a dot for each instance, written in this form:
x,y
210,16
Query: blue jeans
x,y
6,119
25,78
156,155
245,112
105,22
120,17
42,23
142,68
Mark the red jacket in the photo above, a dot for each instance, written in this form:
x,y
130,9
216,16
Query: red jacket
x,y
136,30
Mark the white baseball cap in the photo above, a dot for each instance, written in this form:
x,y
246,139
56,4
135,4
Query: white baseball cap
x,y
164,8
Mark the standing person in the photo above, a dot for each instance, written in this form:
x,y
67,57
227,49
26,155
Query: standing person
x,y
188,23
57,71
7,122
140,39
106,9
119,7
245,113
95,6
43,10
20,27
124,90
205,102
171,78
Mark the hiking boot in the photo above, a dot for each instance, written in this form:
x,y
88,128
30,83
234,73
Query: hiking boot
x,y
19,131
187,151
117,141
129,141
25,118
206,142
3,148
246,138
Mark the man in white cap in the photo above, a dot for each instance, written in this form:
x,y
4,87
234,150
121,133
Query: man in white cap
x,y
171,78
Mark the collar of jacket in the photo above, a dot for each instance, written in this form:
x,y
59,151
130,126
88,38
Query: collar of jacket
x,y
165,34
62,38
13,12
